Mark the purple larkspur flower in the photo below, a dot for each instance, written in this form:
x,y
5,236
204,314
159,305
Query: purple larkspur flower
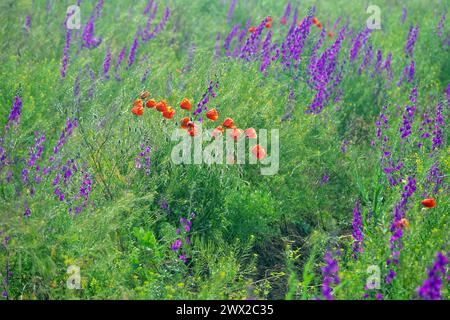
x,y
396,228
411,71
404,14
387,66
227,41
217,47
202,104
144,156
147,35
35,152
133,49
411,40
266,52
119,61
14,115
83,194
231,9
27,24
176,245
65,134
440,25
148,7
107,63
408,116
438,127
433,181
88,39
330,276
65,59
357,230
287,13
77,87
367,60
99,8
432,286
27,212
357,43
379,61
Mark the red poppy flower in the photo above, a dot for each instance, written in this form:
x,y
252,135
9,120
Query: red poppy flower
x,y
151,103
185,104
144,94
258,152
190,124
331,34
212,114
192,131
283,20
319,25
251,29
250,133
235,133
269,25
138,110
315,21
161,106
137,102
228,123
429,203
402,223
217,131
168,113
184,122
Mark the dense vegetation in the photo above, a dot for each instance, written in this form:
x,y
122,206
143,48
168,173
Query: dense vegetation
x,y
88,180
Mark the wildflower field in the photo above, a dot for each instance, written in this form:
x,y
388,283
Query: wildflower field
x,y
319,137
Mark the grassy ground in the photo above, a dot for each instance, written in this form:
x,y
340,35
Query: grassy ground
x,y
251,235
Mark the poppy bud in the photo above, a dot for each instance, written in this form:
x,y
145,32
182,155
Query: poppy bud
x,y
258,152
144,94
212,114
184,122
217,131
151,103
192,131
235,133
185,104
250,133
137,102
190,124
429,203
161,106
402,223
168,113
138,110
228,123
